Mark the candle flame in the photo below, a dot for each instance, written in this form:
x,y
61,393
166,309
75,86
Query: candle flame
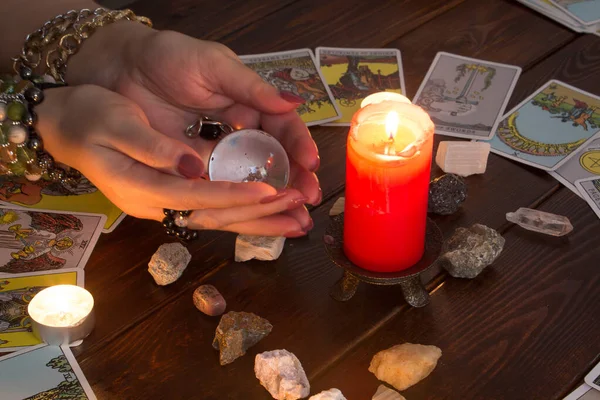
x,y
392,120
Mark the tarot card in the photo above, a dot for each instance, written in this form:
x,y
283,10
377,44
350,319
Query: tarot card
x,y
296,72
584,392
550,10
593,378
353,74
590,191
33,241
465,96
45,195
43,372
585,163
547,128
16,291
586,12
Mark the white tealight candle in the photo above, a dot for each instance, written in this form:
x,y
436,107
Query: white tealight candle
x,y
62,314
383,96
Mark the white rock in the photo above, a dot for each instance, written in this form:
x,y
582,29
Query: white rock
x,y
331,394
263,248
168,263
462,158
385,393
338,207
281,373
405,364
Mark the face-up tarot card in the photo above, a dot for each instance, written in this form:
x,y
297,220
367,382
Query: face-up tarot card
x,y
593,378
546,129
296,72
584,392
43,372
586,12
45,195
16,291
589,189
465,96
45,240
585,163
353,74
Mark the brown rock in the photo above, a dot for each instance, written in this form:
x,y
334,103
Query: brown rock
x,y
208,300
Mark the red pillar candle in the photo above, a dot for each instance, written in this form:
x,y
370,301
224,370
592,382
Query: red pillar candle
x,y
388,165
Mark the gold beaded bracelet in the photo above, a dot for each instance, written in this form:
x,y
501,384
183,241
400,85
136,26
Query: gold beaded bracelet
x,y
54,32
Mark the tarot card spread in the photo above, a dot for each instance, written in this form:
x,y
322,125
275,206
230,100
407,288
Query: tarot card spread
x,y
465,96
548,127
43,372
16,291
353,74
296,73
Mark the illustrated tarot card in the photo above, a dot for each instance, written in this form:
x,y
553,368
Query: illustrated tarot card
x,y
547,128
464,96
353,74
584,392
585,163
43,372
45,195
551,10
585,11
16,291
296,72
589,189
32,240
593,378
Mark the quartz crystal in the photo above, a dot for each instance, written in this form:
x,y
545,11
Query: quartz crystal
x,y
540,221
331,394
385,393
470,250
338,207
463,158
208,300
168,263
281,373
405,364
264,248
446,194
237,332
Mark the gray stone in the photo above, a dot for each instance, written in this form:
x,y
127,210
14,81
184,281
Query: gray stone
x,y
446,194
331,394
265,248
168,263
385,393
237,332
470,250
208,300
281,373
338,207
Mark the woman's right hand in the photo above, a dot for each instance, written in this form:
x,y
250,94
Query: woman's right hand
x,y
108,138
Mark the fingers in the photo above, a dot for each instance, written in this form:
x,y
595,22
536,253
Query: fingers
x,y
229,76
306,182
274,225
293,134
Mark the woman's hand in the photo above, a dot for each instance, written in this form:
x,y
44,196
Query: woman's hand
x,y
173,78
110,140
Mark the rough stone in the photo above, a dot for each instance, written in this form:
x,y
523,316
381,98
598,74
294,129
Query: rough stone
x,y
281,373
385,393
462,158
405,364
338,207
265,248
208,300
446,194
540,221
168,263
470,250
331,394
237,332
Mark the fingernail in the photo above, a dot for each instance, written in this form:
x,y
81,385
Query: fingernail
x,y
319,199
309,226
316,164
297,203
274,197
295,234
291,98
190,166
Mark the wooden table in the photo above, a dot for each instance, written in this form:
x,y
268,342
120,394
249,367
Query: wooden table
x,y
527,328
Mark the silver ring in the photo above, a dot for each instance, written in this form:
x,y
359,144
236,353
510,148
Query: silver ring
x,y
194,130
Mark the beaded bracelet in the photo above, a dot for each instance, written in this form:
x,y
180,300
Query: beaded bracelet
x,y
21,148
176,223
